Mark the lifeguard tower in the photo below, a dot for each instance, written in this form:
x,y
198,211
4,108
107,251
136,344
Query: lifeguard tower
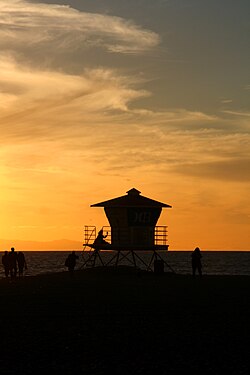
x,y
132,229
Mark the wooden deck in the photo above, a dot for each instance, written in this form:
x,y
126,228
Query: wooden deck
x,y
127,248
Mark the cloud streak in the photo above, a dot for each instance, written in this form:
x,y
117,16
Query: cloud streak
x,y
25,25
94,114
39,99
236,170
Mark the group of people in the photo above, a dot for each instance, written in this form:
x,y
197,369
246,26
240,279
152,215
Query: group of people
x,y
13,263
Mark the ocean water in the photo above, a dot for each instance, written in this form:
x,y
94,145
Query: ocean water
x,y
213,262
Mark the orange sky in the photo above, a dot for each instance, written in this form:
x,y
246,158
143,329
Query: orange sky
x,y
94,102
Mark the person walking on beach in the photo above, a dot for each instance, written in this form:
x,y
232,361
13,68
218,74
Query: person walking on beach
x,y
196,261
13,263
5,263
71,262
21,262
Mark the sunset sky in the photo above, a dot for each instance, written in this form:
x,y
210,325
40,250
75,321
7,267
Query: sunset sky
x,y
101,96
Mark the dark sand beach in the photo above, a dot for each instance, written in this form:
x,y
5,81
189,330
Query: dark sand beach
x,y
125,322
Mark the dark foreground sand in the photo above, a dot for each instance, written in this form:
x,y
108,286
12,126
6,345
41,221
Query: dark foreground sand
x,y
118,321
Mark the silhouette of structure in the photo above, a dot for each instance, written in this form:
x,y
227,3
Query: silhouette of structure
x,y
132,229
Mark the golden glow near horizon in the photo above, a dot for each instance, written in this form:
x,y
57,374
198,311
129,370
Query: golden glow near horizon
x,y
98,98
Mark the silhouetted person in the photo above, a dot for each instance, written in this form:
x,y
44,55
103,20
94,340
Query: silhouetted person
x,y
196,261
100,239
21,262
13,263
71,262
5,263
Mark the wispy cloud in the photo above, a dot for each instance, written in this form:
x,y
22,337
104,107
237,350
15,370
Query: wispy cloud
x,y
25,24
227,170
238,113
37,99
41,100
94,113
226,101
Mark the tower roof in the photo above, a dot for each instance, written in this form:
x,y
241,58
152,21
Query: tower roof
x,y
132,199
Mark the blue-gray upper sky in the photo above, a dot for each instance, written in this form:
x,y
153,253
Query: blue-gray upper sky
x,y
203,57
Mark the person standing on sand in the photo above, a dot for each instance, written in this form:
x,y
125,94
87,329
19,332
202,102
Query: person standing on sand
x,y
21,262
71,262
5,263
13,263
196,261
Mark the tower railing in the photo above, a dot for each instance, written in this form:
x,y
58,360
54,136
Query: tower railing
x,y
89,235
161,235
90,232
